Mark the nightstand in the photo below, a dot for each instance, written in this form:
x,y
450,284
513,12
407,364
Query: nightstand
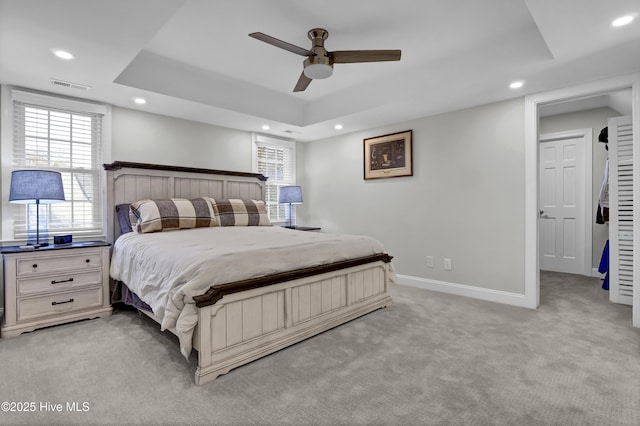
x,y
54,284
303,228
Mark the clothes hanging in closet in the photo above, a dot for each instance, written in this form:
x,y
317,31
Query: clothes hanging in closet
x,y
602,215
604,266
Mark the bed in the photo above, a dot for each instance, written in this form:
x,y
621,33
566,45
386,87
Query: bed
x,y
233,313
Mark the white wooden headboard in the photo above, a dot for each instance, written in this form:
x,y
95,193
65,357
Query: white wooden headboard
x,y
130,182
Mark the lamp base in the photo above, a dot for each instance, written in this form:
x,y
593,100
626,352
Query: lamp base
x,y
36,245
37,242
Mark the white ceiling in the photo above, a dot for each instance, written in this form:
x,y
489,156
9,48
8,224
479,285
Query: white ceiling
x,y
193,59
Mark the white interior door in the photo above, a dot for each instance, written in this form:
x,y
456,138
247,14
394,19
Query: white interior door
x,y
562,203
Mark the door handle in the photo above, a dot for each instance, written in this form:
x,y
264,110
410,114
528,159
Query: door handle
x,y
541,212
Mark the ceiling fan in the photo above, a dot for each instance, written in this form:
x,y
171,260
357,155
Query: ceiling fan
x,y
319,62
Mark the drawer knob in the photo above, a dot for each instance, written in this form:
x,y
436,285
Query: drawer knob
x,y
62,281
88,260
35,265
61,303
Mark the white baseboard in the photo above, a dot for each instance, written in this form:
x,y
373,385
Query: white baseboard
x,y
487,294
595,273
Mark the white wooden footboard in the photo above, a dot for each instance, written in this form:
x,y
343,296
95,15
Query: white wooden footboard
x,y
244,326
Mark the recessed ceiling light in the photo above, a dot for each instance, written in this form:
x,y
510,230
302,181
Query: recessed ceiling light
x,y
265,127
623,20
140,101
516,84
62,54
338,127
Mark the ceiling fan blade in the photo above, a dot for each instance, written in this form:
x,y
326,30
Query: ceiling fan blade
x,y
282,44
302,84
351,56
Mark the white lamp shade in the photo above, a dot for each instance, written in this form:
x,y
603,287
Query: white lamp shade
x,y
36,187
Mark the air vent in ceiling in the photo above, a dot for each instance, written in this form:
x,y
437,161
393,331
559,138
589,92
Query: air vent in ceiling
x,y
70,85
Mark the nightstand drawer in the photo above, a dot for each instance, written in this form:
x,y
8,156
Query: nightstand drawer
x,y
39,264
56,282
35,307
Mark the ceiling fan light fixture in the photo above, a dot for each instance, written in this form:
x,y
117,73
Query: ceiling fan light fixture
x,y
318,71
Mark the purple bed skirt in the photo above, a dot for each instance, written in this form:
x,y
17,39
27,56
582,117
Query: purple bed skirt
x,y
121,294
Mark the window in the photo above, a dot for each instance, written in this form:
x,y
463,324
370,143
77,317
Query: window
x,y
64,136
275,159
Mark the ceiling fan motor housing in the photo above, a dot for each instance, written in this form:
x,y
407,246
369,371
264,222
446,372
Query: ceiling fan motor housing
x,y
320,64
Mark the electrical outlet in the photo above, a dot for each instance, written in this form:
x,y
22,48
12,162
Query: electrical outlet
x,y
430,261
447,264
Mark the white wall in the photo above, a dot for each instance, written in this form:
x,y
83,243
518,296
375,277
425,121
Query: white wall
x,y
595,119
465,200
150,138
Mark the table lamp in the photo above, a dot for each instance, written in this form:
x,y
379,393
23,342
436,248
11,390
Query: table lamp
x,y
36,187
290,195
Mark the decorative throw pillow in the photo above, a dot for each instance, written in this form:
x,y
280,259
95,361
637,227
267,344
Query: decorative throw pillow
x,y
236,212
174,213
124,220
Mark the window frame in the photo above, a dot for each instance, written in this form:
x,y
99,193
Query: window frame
x,y
258,139
10,94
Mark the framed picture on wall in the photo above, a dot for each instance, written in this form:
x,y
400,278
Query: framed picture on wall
x,y
388,156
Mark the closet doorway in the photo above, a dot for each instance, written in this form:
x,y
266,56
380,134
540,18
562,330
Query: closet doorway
x,y
573,163
570,97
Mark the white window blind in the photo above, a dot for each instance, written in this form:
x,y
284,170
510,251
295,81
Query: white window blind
x,y
276,160
68,142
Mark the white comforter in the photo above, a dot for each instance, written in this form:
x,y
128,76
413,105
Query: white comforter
x,y
166,269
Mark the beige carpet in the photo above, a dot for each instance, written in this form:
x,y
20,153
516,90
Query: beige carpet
x,y
429,359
